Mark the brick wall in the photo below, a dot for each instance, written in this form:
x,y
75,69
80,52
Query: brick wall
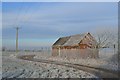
x,y
76,53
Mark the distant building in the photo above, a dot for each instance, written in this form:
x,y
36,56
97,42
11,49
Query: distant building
x,y
76,46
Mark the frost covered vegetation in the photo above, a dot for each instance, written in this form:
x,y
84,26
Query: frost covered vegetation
x,y
108,59
13,67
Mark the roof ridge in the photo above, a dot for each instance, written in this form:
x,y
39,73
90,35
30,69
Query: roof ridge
x,y
81,34
69,40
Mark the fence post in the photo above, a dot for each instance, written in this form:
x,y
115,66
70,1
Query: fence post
x,y
59,51
114,48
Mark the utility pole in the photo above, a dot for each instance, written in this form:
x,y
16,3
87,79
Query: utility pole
x,y
17,28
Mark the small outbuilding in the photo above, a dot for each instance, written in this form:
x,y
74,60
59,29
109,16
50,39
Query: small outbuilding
x,y
76,46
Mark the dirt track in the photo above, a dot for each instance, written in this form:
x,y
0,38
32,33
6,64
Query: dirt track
x,y
101,73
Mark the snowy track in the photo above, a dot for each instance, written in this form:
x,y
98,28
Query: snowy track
x,y
102,73
13,67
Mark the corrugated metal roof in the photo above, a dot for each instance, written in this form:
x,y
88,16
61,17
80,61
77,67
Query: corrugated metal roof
x,y
61,40
74,40
69,40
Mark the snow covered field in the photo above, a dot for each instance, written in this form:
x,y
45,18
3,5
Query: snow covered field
x,y
13,67
107,60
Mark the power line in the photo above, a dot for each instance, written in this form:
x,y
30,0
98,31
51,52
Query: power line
x,y
18,18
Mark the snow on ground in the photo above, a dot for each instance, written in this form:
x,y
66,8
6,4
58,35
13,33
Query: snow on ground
x,y
107,60
98,63
13,67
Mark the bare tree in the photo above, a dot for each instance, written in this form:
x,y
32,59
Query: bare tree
x,y
106,38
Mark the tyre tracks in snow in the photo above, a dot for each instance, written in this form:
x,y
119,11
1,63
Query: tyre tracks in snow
x,y
100,72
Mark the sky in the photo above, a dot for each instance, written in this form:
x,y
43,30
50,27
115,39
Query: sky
x,y
60,0
42,23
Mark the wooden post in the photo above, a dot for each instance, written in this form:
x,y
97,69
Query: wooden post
x,y
59,51
114,48
17,28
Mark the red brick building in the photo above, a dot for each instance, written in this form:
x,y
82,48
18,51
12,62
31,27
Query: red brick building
x,y
76,46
